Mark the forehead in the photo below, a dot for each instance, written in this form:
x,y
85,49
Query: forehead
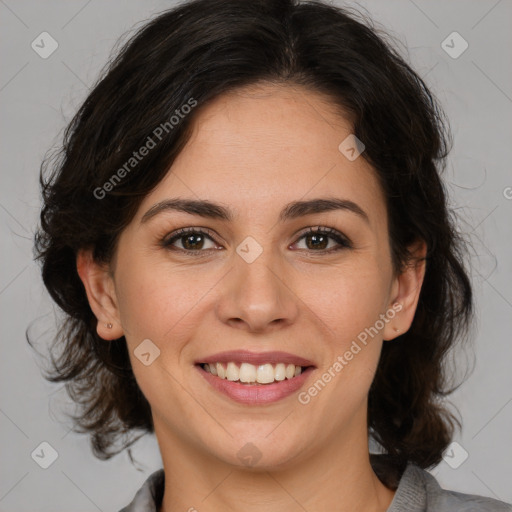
x,y
258,148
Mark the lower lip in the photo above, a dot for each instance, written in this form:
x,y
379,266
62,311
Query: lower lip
x,y
258,393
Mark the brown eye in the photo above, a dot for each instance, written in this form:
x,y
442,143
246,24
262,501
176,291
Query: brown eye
x,y
317,240
194,241
191,240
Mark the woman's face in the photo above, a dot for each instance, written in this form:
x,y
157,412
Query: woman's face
x,y
259,283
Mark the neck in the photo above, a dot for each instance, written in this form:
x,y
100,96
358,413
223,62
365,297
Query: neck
x,y
339,478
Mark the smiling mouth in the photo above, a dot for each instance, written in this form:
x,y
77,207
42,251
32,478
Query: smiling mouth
x,y
253,375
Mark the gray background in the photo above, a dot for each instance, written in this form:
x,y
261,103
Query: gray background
x,y
38,98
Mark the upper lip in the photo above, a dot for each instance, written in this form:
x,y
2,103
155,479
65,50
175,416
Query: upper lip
x,y
255,358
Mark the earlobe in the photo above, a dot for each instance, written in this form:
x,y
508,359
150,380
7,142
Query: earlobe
x,y
406,292
99,287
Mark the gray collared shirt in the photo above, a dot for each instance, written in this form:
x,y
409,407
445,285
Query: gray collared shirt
x,y
418,491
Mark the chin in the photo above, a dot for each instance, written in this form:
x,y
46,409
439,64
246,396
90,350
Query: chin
x,y
257,453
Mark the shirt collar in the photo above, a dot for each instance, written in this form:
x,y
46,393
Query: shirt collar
x,y
410,495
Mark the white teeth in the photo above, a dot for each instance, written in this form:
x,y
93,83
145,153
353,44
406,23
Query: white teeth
x,y
290,371
249,373
265,374
232,372
220,371
280,371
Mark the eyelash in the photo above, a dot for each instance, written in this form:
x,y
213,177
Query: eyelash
x,y
344,243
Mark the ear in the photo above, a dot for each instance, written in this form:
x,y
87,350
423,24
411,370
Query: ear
x,y
406,290
99,286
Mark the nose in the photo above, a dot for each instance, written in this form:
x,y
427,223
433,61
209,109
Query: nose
x,y
258,297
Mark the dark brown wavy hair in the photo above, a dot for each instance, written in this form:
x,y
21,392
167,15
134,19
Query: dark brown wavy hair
x,y
202,49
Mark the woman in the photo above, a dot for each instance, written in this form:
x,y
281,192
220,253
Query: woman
x,y
249,234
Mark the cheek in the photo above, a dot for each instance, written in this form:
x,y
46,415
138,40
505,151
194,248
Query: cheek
x,y
349,305
153,307
153,301
349,301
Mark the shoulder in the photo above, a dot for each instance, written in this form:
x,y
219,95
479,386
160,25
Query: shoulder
x,y
441,499
420,485
149,497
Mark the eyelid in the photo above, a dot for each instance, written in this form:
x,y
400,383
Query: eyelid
x,y
342,240
324,230
168,239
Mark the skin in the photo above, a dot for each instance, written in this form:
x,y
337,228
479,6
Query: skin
x,y
255,150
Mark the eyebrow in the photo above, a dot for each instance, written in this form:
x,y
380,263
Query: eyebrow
x,y
293,210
